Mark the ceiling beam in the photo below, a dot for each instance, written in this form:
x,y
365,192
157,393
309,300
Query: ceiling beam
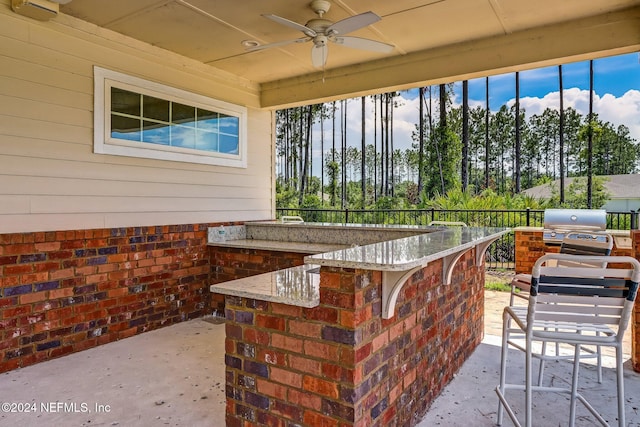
x,y
589,38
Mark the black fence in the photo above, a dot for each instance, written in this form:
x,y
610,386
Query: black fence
x,y
500,255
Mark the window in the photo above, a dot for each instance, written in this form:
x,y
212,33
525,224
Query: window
x,y
138,118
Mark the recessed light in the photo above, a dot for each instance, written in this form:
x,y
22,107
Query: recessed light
x,y
249,43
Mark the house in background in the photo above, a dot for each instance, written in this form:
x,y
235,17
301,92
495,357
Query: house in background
x,y
129,127
624,191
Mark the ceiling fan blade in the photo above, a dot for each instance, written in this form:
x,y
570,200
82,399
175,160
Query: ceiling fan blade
x,y
276,44
284,21
352,23
319,55
364,44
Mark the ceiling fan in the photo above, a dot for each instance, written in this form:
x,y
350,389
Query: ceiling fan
x,y
321,31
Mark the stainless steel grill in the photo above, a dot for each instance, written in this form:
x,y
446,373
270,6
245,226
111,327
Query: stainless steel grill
x,y
559,222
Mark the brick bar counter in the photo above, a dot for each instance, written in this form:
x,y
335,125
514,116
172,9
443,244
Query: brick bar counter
x,y
362,336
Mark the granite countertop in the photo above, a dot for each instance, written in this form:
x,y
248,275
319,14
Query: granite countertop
x,y
274,245
409,252
298,286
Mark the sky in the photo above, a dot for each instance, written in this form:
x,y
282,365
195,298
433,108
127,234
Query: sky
x,y
616,99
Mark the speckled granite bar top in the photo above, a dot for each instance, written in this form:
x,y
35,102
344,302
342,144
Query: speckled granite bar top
x,y
299,286
274,245
409,252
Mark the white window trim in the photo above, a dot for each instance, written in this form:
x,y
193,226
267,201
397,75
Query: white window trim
x,y
104,144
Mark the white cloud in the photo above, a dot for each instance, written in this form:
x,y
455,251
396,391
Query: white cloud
x,y
616,110
624,110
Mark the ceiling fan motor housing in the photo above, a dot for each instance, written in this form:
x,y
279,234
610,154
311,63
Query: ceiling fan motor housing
x,y
319,25
320,6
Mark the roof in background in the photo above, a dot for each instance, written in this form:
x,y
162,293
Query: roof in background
x,y
620,186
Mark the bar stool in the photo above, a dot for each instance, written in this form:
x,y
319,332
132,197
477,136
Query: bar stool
x,y
575,305
574,243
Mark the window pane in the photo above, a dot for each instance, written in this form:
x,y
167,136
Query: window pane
x,y
229,125
207,120
155,133
123,101
207,141
183,114
155,108
228,144
125,128
183,137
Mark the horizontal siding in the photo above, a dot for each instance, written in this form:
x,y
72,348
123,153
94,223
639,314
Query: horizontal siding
x,y
50,179
38,186
93,221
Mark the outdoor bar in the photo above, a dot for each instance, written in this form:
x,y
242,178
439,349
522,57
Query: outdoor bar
x,y
363,334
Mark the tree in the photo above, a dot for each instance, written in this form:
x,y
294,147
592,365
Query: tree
x,y
577,194
333,168
464,172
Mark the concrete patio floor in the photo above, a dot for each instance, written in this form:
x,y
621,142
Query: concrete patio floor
x,y
175,377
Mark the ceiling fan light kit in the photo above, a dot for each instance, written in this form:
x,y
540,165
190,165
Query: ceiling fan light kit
x,y
321,31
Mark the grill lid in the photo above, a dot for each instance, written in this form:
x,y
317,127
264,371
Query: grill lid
x,y
559,222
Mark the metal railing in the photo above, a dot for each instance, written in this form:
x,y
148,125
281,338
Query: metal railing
x,y
500,255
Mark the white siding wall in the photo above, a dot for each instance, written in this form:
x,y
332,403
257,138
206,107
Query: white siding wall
x,y
49,177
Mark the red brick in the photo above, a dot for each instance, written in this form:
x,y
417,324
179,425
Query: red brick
x,y
256,337
320,386
33,297
396,331
60,293
272,389
20,310
363,352
6,282
270,322
272,357
286,342
19,249
114,293
307,329
61,274
46,326
337,299
60,313
35,277
321,350
318,420
304,399
337,372
18,269
329,280
285,376
323,314
47,246
304,364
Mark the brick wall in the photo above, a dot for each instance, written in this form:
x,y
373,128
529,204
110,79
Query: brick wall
x,y
341,364
530,247
66,291
237,263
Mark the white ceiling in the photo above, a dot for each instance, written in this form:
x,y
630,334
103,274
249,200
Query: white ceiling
x,y
211,31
